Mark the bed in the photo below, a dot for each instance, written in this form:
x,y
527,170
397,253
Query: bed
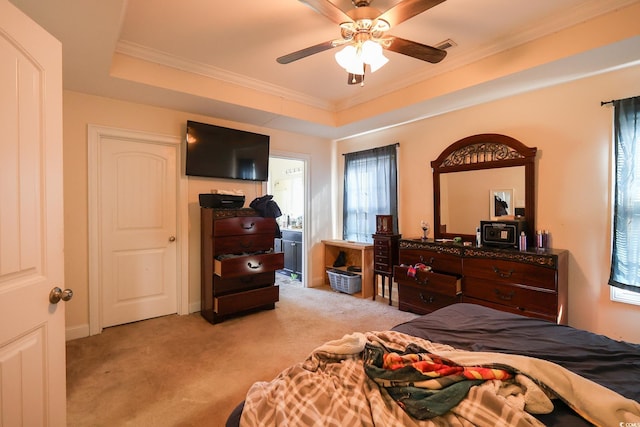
x,y
608,373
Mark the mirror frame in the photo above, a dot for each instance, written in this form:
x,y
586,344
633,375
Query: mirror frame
x,y
485,151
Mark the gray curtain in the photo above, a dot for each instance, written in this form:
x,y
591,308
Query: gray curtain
x,y
625,261
370,189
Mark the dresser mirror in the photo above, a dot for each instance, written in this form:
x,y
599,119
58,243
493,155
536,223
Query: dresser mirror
x,y
482,177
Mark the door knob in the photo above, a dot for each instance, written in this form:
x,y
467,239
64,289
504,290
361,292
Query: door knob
x,y
172,238
58,294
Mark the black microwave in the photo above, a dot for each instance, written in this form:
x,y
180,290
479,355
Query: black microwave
x,y
503,234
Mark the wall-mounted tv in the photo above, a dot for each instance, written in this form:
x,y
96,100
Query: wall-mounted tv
x,y
219,152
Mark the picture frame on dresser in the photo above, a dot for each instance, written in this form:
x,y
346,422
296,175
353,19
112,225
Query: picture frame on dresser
x,y
501,203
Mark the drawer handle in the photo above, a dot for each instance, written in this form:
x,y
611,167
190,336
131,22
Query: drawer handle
x,y
422,282
505,297
503,274
249,227
255,267
246,245
427,300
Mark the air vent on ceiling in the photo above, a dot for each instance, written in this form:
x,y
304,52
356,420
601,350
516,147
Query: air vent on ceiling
x,y
444,45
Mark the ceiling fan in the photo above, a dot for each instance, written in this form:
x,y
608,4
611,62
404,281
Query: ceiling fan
x,y
364,32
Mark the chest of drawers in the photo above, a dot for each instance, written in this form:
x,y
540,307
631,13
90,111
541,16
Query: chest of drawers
x,y
532,283
385,256
238,262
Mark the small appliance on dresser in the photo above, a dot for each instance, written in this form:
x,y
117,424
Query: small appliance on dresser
x,y
238,262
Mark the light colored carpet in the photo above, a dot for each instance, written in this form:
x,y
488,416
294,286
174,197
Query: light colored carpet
x,y
183,371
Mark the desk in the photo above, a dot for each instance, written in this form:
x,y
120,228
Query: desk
x,y
358,254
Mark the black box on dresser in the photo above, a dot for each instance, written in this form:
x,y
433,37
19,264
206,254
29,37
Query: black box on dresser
x,y
238,262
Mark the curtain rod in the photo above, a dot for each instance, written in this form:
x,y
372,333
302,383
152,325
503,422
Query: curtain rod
x,y
397,144
603,103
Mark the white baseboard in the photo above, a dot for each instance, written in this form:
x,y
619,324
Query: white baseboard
x,y
75,332
194,307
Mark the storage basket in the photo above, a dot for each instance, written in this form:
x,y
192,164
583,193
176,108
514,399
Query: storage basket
x,y
345,281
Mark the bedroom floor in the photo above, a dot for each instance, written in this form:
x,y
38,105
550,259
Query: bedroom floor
x,y
183,371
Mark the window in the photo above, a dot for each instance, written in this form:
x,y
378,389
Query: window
x,y
625,258
370,189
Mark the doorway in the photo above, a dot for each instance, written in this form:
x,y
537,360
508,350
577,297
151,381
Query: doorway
x,y
287,184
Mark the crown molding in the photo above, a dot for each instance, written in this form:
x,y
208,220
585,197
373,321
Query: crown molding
x,y
148,54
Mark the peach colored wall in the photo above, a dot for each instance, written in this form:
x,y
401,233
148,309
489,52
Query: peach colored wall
x,y
573,135
80,110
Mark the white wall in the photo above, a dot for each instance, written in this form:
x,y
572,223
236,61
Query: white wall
x,y
573,135
80,110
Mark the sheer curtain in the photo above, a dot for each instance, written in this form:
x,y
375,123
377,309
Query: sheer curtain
x,y
370,189
625,261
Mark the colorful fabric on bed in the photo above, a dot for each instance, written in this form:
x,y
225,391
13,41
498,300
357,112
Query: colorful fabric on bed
x,y
424,384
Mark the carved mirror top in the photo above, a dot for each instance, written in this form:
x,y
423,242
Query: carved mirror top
x,y
481,152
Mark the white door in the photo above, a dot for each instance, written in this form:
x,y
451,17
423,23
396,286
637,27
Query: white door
x,y
32,341
137,227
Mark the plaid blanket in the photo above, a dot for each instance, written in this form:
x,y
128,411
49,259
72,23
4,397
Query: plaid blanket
x,y
331,388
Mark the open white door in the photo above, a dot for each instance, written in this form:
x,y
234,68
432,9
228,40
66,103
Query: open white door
x,y
32,342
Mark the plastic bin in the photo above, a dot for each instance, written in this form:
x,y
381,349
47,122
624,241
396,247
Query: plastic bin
x,y
345,281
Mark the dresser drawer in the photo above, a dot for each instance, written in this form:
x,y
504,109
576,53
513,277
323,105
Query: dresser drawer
x,y
444,284
437,261
381,247
237,266
422,299
382,263
551,317
509,272
239,284
243,244
519,297
244,225
248,300
382,267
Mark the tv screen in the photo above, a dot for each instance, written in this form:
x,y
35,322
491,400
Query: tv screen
x,y
219,152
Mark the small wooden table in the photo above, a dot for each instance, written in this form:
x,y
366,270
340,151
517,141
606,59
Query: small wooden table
x,y
357,254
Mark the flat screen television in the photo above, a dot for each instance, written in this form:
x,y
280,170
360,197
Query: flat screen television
x,y
219,152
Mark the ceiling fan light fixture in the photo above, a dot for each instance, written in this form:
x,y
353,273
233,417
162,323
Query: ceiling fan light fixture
x,y
372,55
349,59
353,58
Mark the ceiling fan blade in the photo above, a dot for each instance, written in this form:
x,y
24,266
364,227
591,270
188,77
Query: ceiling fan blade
x,y
417,50
303,53
328,9
407,9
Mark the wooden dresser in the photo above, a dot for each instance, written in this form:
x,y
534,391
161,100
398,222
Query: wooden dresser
x,y
532,283
238,263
